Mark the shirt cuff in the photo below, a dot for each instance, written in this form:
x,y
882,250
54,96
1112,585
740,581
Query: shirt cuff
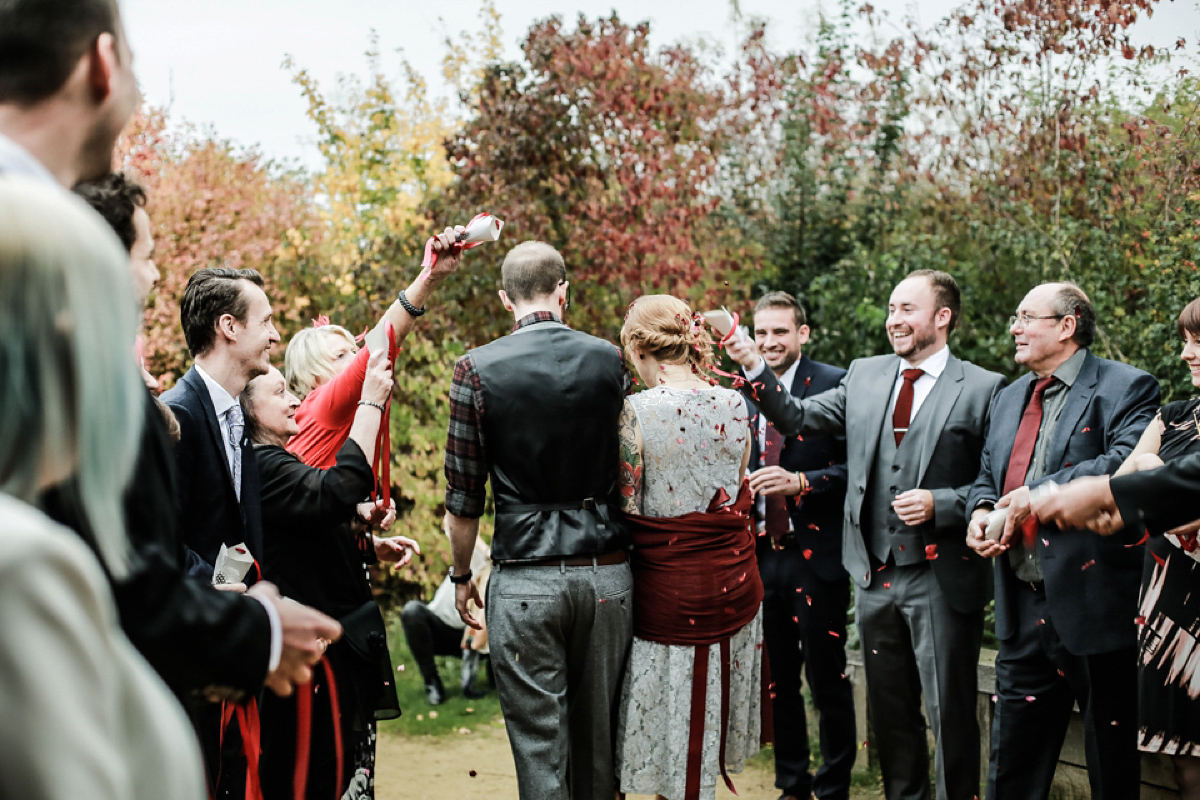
x,y
461,503
751,374
276,633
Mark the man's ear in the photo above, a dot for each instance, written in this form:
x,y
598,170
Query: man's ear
x,y
226,327
1070,323
508,306
103,59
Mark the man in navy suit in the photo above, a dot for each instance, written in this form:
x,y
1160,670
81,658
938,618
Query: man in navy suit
x,y
801,488
1065,599
227,323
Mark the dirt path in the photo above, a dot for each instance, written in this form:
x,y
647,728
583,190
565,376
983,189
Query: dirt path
x,y
437,767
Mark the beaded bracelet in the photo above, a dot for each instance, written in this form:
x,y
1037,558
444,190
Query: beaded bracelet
x,y
412,310
372,404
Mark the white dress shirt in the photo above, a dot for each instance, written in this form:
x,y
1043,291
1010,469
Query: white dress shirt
x,y
15,160
922,386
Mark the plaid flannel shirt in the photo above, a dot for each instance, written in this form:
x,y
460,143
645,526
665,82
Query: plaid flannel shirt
x,y
466,458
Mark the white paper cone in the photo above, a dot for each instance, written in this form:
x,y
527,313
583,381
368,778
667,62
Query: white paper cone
x,y
484,229
233,564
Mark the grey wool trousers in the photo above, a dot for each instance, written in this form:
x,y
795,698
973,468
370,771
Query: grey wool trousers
x,y
560,639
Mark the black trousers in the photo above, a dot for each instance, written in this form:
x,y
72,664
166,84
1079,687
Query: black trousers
x,y
428,636
804,624
1037,683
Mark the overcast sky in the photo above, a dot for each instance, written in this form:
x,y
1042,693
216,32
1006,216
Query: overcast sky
x,y
218,62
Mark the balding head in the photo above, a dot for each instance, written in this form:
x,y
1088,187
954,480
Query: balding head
x,y
532,271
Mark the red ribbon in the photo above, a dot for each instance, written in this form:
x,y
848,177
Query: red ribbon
x,y
383,439
304,695
248,725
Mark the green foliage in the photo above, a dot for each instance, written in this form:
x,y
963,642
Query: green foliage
x,y
456,714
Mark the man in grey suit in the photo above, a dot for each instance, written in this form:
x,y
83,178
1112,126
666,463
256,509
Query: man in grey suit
x,y
1065,599
915,424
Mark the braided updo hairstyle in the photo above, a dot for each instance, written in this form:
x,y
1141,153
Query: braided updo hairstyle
x,y
663,326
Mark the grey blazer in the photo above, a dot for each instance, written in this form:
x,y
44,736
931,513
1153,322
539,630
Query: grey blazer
x,y
952,424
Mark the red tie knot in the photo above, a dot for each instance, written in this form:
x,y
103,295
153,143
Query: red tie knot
x,y
1040,387
911,375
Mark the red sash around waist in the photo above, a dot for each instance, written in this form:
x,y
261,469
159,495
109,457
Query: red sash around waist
x,y
695,576
696,584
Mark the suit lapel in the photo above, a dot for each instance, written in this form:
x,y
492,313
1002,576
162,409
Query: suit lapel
x,y
803,377
872,420
197,385
1005,422
1078,398
933,413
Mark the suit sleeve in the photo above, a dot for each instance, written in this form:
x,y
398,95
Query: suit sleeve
x,y
1162,498
985,490
185,458
950,509
1134,411
824,413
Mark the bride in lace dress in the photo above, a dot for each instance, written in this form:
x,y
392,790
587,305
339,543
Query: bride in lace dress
x,y
691,703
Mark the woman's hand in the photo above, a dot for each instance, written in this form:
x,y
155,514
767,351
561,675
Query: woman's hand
x,y
377,515
397,549
378,382
449,253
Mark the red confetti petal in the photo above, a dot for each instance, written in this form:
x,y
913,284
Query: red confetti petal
x,y
1088,564
807,553
835,634
887,584
1139,620
931,552
1029,698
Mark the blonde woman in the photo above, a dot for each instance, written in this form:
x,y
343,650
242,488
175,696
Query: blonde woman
x,y
83,714
325,368
691,703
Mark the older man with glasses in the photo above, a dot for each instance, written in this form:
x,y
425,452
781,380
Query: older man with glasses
x,y
1065,599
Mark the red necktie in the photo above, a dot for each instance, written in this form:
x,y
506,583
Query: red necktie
x,y
902,415
1022,452
776,514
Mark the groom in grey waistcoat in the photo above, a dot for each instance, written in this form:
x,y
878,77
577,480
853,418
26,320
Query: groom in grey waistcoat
x,y
537,411
915,424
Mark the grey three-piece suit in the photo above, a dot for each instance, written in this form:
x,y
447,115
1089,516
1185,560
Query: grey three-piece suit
x,y
921,590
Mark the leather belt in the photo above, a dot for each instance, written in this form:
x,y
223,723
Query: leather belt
x,y
605,560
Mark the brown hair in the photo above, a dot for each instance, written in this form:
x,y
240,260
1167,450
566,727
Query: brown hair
x,y
1189,319
41,41
664,327
785,301
945,292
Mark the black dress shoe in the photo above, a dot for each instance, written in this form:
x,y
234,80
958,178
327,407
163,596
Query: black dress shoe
x,y
435,692
470,692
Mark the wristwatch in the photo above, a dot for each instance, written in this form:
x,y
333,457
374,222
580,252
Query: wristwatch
x,y
459,580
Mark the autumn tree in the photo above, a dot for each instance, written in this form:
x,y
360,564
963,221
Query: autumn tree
x,y
608,150
212,204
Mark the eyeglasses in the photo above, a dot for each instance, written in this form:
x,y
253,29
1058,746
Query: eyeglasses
x,y
1024,319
